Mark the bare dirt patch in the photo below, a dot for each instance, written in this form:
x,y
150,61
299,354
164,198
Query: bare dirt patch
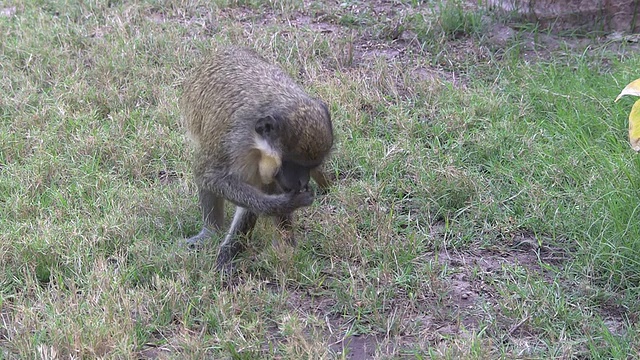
x,y
459,310
356,347
315,24
338,332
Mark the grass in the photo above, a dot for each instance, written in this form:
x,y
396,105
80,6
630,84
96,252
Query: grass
x,y
486,203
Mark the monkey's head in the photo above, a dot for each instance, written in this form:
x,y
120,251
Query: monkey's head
x,y
292,143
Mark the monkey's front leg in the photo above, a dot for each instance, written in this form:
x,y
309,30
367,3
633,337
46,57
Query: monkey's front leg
x,y
243,223
212,215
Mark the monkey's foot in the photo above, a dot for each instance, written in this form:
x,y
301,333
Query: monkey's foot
x,y
226,257
225,268
198,241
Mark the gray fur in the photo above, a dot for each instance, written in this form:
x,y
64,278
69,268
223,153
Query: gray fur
x,y
222,102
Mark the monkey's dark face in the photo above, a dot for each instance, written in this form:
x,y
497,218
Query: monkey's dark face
x,y
292,177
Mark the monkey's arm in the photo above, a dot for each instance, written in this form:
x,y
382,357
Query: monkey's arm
x,y
232,188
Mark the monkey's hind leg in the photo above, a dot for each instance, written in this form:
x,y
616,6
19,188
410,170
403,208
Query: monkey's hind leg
x,y
212,215
321,178
243,223
284,223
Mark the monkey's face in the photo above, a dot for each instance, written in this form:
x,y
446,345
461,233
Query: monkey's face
x,y
288,175
289,154
292,177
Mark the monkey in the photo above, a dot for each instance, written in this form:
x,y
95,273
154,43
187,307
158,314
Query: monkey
x,y
258,138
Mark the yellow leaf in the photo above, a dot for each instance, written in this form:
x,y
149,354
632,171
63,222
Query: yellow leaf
x,y
632,89
634,126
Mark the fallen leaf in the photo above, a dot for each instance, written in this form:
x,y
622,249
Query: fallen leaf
x,y
634,126
634,117
632,89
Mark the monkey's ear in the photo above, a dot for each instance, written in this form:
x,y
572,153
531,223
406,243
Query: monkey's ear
x,y
266,126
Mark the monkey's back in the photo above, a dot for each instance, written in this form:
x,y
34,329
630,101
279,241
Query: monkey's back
x,y
232,85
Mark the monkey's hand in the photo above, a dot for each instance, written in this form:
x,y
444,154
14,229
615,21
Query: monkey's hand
x,y
284,203
296,199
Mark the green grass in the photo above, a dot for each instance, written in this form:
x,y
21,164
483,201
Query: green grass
x,y
486,203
